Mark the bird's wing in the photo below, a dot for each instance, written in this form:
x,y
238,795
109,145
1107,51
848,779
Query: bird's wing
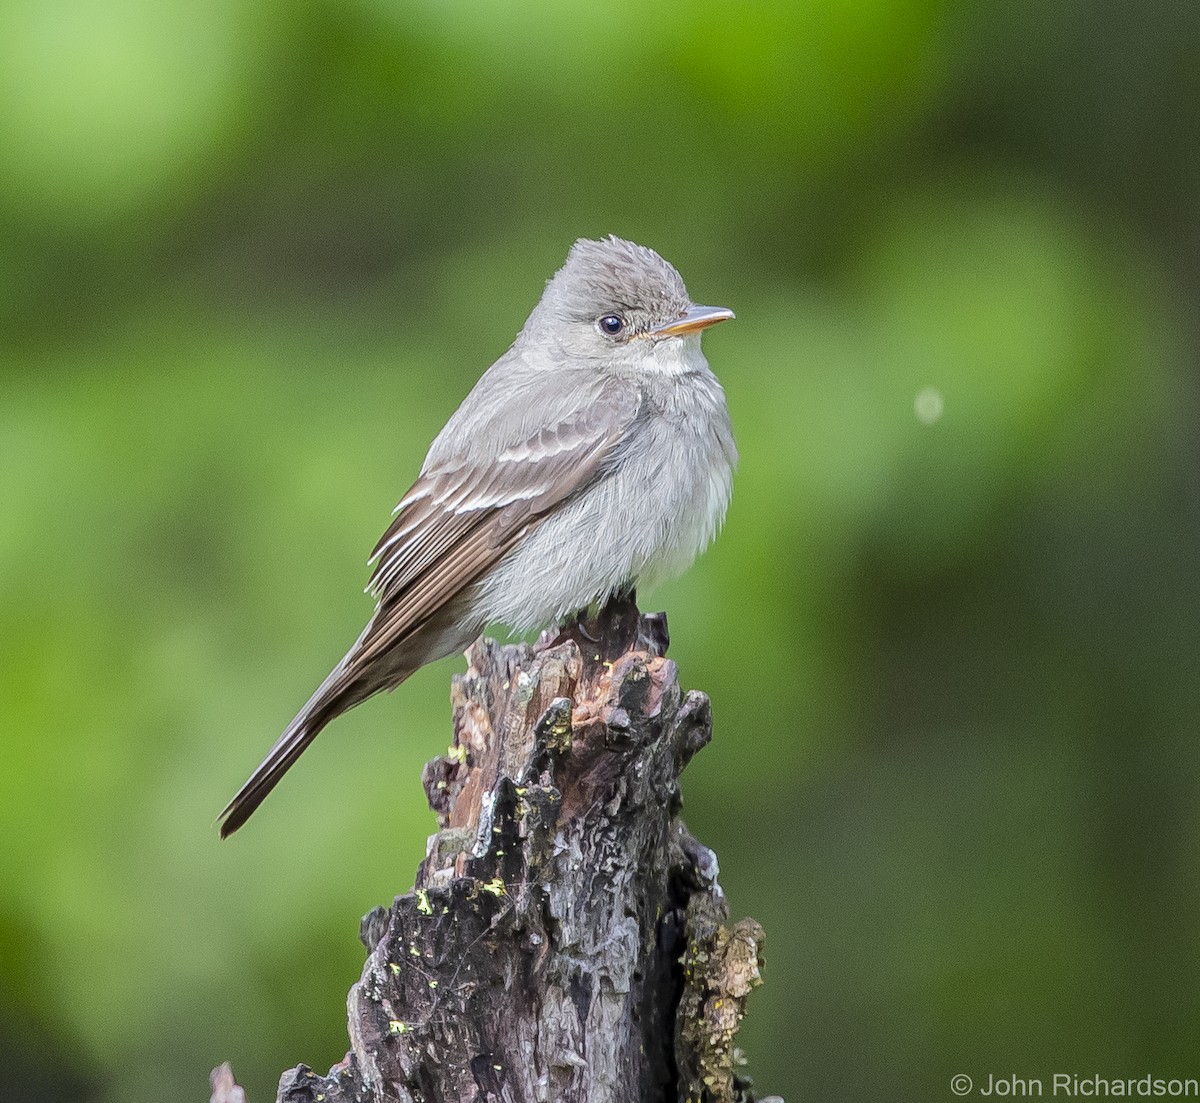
x,y
460,519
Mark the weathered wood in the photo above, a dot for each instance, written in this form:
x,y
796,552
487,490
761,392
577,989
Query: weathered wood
x,y
566,939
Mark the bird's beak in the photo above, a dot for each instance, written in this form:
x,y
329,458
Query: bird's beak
x,y
693,320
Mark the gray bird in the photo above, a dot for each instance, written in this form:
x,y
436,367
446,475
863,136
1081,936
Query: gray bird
x,y
594,455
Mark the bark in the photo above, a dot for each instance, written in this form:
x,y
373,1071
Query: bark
x,y
566,939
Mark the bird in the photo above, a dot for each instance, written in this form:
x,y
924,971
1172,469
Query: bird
x,y
595,455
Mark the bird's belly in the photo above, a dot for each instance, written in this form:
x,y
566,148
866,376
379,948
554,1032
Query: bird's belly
x,y
645,522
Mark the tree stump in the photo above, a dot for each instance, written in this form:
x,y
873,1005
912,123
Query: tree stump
x,y
566,939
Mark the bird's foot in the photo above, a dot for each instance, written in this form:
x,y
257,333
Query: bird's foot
x,y
616,627
583,625
653,635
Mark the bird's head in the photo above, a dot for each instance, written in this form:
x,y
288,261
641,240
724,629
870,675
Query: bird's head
x,y
616,302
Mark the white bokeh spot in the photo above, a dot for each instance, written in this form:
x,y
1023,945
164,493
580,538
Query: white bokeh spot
x,y
929,405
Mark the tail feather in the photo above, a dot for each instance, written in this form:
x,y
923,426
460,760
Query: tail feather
x,y
340,691
351,682
289,747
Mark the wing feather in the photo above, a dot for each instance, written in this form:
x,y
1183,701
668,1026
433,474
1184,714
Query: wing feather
x,y
462,516
458,521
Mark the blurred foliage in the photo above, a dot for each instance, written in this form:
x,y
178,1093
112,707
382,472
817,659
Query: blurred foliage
x,y
252,253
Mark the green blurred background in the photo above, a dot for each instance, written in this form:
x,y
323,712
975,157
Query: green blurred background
x,y
253,253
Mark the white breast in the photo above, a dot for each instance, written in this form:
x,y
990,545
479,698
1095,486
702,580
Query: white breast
x,y
643,523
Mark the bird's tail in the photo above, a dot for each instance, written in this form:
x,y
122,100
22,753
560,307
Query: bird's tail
x,y
339,692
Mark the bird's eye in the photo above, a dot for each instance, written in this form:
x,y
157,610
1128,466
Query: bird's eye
x,y
611,324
